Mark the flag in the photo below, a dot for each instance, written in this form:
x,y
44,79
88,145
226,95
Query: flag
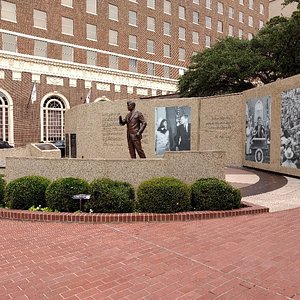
x,y
33,93
88,96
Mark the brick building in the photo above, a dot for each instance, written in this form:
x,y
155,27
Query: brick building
x,y
109,49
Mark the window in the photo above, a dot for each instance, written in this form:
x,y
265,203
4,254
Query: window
x,y
261,9
261,24
91,32
91,57
39,19
230,12
241,2
181,12
113,37
53,119
8,11
40,48
132,42
132,65
167,28
150,46
150,69
113,62
220,8
181,54
207,41
67,53
250,36
241,33
241,17
208,22
230,30
150,24
132,18
9,42
208,4
113,12
166,72
250,21
167,7
151,4
167,50
66,26
196,17
91,6
196,1
5,119
220,26
181,33
250,4
195,37
68,3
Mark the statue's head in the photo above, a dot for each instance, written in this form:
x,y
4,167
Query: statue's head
x,y
130,105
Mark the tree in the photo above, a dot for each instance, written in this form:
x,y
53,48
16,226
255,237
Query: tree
x,y
286,2
227,67
234,65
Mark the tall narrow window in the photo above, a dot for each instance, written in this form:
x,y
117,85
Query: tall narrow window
x,y
91,32
150,69
66,26
9,42
67,53
68,3
150,24
167,50
220,8
167,28
167,7
220,26
250,4
166,71
151,4
195,37
181,12
40,48
230,12
39,19
113,12
230,30
113,37
8,11
181,33
5,121
207,41
132,42
132,18
150,46
181,54
113,62
196,17
208,22
91,58
208,4
132,65
53,119
91,6
261,9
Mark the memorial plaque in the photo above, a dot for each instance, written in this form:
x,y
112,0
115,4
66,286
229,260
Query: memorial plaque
x,y
112,133
73,145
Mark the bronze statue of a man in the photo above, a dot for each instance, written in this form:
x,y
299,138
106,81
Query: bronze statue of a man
x,y
136,124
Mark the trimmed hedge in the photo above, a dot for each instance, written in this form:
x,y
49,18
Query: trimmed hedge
x,y
60,192
111,196
26,191
163,195
214,194
2,189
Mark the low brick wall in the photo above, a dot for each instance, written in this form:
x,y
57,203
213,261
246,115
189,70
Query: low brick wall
x,y
187,166
129,217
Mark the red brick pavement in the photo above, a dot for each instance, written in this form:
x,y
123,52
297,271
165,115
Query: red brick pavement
x,y
248,257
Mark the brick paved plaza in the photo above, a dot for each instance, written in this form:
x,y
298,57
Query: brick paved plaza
x,y
247,257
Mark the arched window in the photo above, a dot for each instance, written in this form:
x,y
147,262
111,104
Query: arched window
x,y
6,122
53,111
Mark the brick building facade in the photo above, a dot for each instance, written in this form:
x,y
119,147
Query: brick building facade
x,y
110,49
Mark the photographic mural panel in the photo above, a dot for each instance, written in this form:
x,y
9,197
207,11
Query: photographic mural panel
x,y
172,129
290,129
258,135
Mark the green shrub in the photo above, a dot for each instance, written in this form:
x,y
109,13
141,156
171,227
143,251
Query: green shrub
x,y
163,195
214,194
26,191
2,189
111,196
60,192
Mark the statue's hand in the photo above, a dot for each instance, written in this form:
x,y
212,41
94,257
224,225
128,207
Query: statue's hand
x,y
120,120
138,135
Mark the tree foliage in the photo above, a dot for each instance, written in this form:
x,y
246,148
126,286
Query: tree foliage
x,y
234,65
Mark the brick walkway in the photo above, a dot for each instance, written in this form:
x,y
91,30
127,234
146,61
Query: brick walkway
x,y
248,257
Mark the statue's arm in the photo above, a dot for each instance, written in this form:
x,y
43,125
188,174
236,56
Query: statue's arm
x,y
143,123
122,122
